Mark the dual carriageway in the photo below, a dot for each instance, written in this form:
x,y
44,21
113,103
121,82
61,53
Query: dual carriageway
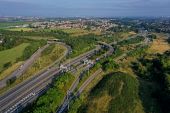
x,y
28,91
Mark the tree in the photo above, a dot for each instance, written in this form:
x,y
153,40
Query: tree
x,y
8,64
11,80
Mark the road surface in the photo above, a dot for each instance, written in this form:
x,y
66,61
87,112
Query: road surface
x,y
69,97
26,91
24,66
9,100
80,90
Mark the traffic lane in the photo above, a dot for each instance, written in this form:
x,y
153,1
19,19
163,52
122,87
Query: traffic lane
x,y
30,89
83,86
37,77
10,96
78,59
19,90
37,91
23,67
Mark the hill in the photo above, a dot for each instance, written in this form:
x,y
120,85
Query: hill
x,y
115,93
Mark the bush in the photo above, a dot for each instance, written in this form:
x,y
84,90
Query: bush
x,y
152,36
81,44
131,41
32,48
52,99
8,64
11,80
109,64
156,70
138,51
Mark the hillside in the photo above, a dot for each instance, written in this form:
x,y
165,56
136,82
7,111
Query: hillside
x,y
115,93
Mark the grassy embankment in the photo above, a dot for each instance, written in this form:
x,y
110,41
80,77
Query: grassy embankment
x,y
50,54
115,93
159,45
11,56
127,34
149,88
38,37
104,102
81,44
52,99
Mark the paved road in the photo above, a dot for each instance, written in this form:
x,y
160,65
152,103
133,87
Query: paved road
x,y
31,60
75,83
80,90
68,97
9,100
87,82
24,66
21,93
73,87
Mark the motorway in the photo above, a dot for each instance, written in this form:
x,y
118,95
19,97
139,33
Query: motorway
x,y
24,66
31,88
69,95
17,73
9,100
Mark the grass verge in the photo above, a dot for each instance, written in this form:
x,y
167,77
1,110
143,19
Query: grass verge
x,y
52,99
50,54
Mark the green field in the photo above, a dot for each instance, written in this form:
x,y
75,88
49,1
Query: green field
x,y
38,37
8,24
74,32
80,32
20,29
11,55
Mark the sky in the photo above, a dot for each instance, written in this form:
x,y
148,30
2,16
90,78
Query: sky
x,y
84,8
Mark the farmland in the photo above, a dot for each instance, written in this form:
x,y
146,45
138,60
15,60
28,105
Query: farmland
x,y
80,32
9,24
19,29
